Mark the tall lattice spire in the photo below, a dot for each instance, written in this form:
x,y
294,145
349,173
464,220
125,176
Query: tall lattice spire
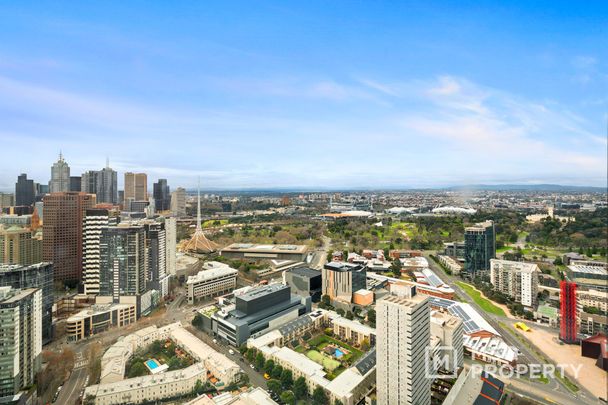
x,y
198,208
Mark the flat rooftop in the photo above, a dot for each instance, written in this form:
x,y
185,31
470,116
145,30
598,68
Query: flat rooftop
x,y
305,272
253,248
596,270
261,291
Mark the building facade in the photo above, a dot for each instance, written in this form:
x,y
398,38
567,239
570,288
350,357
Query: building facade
x,y
518,280
103,183
19,246
162,195
215,279
304,282
171,253
178,202
60,176
568,332
136,187
64,215
342,280
480,247
38,276
25,193
99,319
403,332
95,220
122,262
21,345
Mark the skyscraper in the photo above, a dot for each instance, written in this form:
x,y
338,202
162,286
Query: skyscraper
x,y
156,253
6,200
103,183
25,193
40,276
75,183
62,243
95,220
402,334
162,197
568,311
122,262
19,245
136,187
60,176
171,234
21,331
480,248
178,202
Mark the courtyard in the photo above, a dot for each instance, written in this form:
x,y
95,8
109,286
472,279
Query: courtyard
x,y
334,355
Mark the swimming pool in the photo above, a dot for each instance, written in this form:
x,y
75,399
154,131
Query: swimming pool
x,y
152,364
338,353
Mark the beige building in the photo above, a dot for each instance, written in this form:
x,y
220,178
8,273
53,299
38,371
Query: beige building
x,y
449,329
136,186
99,319
20,246
403,332
215,279
518,280
178,202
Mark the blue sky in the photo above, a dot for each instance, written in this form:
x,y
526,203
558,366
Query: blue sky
x,y
315,94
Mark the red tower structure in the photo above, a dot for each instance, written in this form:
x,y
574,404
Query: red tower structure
x,y
568,330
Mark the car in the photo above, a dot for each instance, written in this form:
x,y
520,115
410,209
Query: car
x,y
230,351
266,376
214,340
252,366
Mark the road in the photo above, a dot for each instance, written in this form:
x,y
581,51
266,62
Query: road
x,y
320,255
526,355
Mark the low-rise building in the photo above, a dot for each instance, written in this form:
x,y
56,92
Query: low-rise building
x,y
471,388
215,279
453,265
260,252
99,318
449,329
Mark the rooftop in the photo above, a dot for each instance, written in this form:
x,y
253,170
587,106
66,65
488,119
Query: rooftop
x,y
596,270
305,272
251,247
212,273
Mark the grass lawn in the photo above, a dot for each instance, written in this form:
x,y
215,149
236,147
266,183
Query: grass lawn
x,y
484,303
327,362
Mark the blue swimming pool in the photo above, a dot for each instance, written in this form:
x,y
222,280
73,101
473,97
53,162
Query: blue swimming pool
x,y
338,353
152,364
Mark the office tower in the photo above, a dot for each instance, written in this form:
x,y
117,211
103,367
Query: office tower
x,y
62,243
21,344
518,280
75,183
568,320
156,252
103,183
19,245
178,202
41,190
94,221
40,276
402,334
162,197
122,262
6,200
39,208
480,247
341,280
60,176
171,242
25,192
136,186
121,196
150,209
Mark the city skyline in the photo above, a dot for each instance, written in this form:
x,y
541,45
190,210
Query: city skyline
x,y
268,96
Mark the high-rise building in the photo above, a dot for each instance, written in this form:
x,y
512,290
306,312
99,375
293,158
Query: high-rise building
x,y
25,193
6,200
156,251
518,280
62,228
75,183
60,176
19,245
341,280
402,334
95,220
21,344
40,276
122,261
103,183
171,235
450,331
480,247
162,196
136,187
568,310
178,202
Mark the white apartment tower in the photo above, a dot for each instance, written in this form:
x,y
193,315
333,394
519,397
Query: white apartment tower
x,y
519,280
403,333
60,176
93,223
